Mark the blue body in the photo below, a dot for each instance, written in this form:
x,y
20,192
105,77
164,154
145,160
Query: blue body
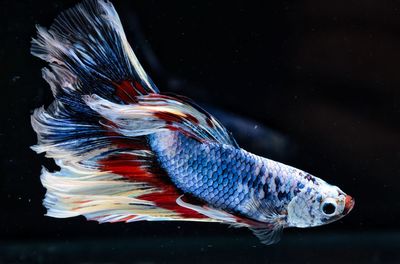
x,y
224,176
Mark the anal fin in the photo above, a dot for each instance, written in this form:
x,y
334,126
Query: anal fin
x,y
215,214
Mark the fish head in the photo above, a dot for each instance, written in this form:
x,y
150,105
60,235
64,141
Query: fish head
x,y
318,203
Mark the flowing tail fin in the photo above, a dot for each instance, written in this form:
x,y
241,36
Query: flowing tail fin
x,y
96,129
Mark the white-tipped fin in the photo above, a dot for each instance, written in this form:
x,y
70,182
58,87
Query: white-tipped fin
x,y
215,214
154,112
268,236
102,196
89,43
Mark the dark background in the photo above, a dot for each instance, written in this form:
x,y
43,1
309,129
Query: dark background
x,y
321,76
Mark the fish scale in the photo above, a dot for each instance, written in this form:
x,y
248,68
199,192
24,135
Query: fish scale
x,y
224,176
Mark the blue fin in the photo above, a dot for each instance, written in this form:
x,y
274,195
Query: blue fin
x,y
89,43
88,54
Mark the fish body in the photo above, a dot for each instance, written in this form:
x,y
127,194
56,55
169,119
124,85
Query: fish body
x,y
226,177
235,180
128,153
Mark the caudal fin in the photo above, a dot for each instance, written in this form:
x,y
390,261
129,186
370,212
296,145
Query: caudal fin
x,y
96,129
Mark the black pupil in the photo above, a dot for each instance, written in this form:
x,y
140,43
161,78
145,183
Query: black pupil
x,y
328,208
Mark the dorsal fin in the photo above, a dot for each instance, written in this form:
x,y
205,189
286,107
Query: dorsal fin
x,y
89,55
154,112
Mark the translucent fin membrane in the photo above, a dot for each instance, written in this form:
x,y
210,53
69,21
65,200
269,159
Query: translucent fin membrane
x,y
154,112
105,175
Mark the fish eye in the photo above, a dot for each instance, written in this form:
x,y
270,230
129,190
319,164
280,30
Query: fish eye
x,y
328,208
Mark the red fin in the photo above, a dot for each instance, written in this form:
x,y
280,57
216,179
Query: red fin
x,y
128,90
126,165
143,169
167,199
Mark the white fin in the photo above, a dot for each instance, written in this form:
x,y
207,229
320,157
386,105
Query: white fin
x,y
268,236
215,214
153,113
102,196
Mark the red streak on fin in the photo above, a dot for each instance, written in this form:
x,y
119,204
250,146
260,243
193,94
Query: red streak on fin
x,y
127,165
125,219
128,90
209,123
135,168
168,117
144,169
167,199
192,119
140,88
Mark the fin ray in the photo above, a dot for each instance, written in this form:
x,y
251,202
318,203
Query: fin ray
x,y
104,199
88,42
108,174
154,112
268,236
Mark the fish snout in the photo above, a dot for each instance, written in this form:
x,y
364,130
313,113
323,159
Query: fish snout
x,y
348,204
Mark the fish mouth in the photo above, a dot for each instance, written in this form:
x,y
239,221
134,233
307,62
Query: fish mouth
x,y
348,204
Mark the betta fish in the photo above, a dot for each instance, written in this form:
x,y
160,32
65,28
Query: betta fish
x,y
128,153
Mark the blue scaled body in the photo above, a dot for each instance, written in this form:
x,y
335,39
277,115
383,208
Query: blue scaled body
x,y
225,176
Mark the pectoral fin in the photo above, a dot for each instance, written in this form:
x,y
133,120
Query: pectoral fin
x,y
268,236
